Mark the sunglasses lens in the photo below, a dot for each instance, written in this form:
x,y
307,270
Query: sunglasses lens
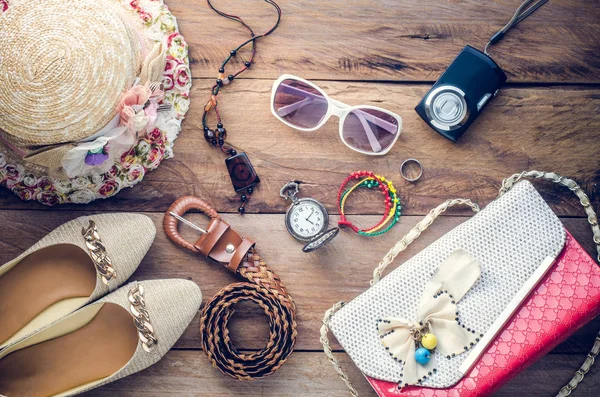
x,y
370,130
300,104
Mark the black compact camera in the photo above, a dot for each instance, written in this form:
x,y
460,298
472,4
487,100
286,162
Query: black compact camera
x,y
465,88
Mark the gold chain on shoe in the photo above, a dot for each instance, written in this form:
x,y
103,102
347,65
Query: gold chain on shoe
x,y
98,252
141,318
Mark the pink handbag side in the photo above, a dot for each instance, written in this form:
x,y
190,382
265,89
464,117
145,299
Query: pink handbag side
x,y
566,299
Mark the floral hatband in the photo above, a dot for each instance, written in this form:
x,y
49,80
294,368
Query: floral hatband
x,y
151,147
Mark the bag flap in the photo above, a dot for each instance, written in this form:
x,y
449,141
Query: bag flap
x,y
510,238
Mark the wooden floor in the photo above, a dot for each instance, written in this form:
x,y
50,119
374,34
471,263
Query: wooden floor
x,y
385,53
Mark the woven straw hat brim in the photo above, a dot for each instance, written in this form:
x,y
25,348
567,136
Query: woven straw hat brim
x,y
39,178
63,67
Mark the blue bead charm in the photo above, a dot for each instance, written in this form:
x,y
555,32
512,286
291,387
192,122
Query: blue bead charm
x,y
422,356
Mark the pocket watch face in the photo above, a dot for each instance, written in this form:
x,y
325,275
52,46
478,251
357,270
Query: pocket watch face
x,y
306,218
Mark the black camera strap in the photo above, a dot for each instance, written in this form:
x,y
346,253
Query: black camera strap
x,y
524,10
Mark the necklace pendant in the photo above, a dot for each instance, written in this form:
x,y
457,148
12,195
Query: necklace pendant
x,y
241,172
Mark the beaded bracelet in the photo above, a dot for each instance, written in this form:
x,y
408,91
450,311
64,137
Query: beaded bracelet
x,y
392,202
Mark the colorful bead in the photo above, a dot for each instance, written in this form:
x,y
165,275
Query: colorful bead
x,y
392,206
422,356
429,341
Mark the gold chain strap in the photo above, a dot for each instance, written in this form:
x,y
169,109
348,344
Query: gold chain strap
x,y
580,373
593,221
416,232
141,318
98,253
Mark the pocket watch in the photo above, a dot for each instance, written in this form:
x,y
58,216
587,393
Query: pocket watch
x,y
306,219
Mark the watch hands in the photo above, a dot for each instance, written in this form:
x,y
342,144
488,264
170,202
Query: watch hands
x,y
308,218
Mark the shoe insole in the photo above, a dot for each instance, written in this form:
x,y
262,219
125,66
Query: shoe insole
x,y
42,279
93,352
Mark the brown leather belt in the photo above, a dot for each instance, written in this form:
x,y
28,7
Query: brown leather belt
x,y
227,247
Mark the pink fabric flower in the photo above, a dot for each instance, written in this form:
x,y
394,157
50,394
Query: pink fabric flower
x,y
155,136
181,77
25,193
168,82
128,158
137,95
146,18
172,37
45,184
109,188
115,170
171,66
136,173
14,175
3,5
155,156
48,198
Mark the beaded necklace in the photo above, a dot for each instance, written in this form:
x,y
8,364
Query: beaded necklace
x,y
392,203
243,176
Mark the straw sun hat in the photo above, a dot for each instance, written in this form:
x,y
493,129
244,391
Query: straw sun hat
x,y
92,95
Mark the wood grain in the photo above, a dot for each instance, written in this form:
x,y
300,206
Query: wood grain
x,y
553,128
316,281
384,53
188,373
396,40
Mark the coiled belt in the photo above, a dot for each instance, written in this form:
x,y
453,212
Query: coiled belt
x,y
263,287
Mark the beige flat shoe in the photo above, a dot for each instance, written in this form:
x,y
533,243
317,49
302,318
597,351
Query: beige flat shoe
x,y
75,264
122,333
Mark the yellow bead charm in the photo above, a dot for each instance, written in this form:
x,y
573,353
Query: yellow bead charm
x,y
429,341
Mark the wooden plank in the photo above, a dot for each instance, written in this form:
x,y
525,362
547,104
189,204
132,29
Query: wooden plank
x,y
188,373
316,281
551,129
395,40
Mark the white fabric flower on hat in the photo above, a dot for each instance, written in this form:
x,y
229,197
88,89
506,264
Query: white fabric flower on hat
x,y
99,155
83,196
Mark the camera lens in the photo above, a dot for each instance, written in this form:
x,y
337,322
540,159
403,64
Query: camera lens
x,y
446,107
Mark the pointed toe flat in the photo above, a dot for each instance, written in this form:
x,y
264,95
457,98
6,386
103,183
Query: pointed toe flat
x,y
114,337
77,263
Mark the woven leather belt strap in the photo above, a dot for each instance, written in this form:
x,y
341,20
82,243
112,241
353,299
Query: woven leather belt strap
x,y
228,248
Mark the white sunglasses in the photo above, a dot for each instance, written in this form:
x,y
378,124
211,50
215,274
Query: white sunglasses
x,y
302,105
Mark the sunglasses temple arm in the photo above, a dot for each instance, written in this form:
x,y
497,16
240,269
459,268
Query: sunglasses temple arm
x,y
391,128
285,110
288,89
375,146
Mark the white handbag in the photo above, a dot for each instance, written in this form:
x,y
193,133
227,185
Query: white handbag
x,y
463,288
